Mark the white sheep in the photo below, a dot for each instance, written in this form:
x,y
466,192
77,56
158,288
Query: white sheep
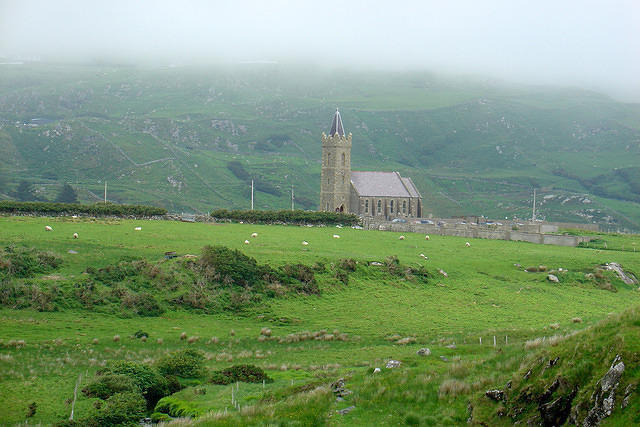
x,y
246,242
426,237
467,244
305,243
75,235
138,228
336,236
401,238
47,228
254,235
423,256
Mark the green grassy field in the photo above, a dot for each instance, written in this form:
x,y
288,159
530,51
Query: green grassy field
x,y
484,295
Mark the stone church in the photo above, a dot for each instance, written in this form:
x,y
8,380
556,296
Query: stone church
x,y
378,194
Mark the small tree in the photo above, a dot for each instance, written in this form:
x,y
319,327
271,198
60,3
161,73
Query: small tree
x,y
67,195
25,192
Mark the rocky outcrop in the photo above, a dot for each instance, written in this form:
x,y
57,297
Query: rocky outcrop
x,y
627,278
603,398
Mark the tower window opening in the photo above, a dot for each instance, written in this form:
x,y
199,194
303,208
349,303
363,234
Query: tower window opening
x,y
343,159
328,159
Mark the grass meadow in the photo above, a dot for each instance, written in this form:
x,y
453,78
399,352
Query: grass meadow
x,y
485,293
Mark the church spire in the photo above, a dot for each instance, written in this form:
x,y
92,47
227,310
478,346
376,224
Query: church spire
x,y
336,125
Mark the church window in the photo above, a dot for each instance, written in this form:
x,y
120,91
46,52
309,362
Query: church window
x,y
343,159
404,206
366,206
342,179
379,206
391,206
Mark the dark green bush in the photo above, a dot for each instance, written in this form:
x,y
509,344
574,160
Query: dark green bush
x,y
99,209
304,275
124,409
142,304
347,264
106,386
230,266
286,216
242,373
26,262
152,385
187,363
140,333
158,417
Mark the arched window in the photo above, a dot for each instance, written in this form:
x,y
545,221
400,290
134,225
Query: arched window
x,y
391,206
379,206
366,206
343,159
404,206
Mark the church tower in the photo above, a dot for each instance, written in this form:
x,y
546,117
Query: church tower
x,y
335,184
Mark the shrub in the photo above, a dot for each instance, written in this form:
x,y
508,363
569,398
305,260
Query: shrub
x,y
152,385
119,409
177,408
185,364
140,333
158,417
286,216
99,209
230,266
243,373
348,264
142,304
26,262
106,386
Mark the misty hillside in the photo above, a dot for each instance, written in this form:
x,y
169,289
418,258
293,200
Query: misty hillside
x,y
191,139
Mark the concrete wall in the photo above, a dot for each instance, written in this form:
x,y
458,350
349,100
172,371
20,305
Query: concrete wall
x,y
530,234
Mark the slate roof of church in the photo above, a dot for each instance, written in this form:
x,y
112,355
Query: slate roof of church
x,y
383,184
336,125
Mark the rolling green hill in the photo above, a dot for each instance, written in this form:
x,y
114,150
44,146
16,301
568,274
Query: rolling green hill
x,y
71,308
170,136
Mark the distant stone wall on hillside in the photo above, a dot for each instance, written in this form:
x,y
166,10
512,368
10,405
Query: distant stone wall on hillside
x,y
533,233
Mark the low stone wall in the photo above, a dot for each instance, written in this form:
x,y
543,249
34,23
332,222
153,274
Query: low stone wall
x,y
479,231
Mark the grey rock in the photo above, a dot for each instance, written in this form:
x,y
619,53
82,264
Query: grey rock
x,y
345,411
553,278
423,352
71,251
339,389
444,359
603,398
627,278
627,395
393,364
452,346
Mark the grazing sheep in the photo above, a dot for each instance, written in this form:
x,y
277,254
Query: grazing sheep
x,y
426,237
246,242
305,243
254,235
138,228
423,256
336,236
467,244
401,238
47,228
75,235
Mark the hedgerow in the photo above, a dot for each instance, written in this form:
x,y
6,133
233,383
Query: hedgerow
x,y
98,209
285,216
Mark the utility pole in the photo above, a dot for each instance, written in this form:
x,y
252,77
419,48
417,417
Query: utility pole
x,y
105,192
252,194
533,216
292,198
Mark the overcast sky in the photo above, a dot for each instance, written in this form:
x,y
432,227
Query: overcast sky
x,y
592,44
